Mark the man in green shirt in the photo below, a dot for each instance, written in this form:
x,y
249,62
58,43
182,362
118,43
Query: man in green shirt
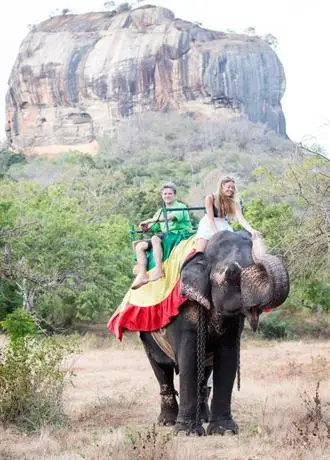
x,y
178,221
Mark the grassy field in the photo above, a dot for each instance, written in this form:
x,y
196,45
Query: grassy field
x,y
283,408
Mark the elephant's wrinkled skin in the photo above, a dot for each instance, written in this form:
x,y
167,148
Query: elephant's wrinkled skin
x,y
230,284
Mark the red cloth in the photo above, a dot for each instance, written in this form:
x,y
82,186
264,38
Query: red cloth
x,y
150,318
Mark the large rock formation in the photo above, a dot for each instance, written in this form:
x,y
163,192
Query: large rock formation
x,y
77,75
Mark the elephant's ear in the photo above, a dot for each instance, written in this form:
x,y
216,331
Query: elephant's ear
x,y
195,281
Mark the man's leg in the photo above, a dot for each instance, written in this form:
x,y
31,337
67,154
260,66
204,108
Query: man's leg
x,y
158,256
141,258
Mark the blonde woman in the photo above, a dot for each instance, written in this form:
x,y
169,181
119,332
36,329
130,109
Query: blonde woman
x,y
220,207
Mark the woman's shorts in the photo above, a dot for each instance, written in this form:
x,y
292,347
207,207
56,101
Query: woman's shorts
x,y
204,227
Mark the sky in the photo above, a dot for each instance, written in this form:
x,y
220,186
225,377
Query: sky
x,y
300,26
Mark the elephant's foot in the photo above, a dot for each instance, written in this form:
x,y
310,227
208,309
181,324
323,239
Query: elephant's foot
x,y
221,426
167,418
189,429
169,407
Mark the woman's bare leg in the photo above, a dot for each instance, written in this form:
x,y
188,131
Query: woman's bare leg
x,y
201,244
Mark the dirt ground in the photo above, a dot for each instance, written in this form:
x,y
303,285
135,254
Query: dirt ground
x,y
113,403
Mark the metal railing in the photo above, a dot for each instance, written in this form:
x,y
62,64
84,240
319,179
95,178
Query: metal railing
x,y
165,211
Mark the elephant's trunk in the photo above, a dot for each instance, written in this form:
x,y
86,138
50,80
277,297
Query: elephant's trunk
x,y
266,283
278,281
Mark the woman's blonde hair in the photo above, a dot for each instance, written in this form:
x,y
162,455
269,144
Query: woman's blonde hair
x,y
224,204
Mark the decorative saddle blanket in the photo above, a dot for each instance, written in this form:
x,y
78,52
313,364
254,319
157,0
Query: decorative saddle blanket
x,y
160,337
153,305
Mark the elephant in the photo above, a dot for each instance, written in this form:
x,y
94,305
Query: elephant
x,y
227,283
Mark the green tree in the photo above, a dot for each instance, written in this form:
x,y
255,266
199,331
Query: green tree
x,y
305,243
271,219
68,255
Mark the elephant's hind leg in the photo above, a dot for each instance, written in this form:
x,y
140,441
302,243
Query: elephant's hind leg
x,y
168,406
164,372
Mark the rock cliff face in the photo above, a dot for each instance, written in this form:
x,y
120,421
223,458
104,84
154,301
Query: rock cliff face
x,y
77,75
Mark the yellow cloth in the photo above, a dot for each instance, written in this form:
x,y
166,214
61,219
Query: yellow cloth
x,y
154,292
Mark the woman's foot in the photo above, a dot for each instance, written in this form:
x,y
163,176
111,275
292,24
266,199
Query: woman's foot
x,y
157,275
139,281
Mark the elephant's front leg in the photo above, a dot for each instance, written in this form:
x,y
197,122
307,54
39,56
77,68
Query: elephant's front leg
x,y
187,360
224,373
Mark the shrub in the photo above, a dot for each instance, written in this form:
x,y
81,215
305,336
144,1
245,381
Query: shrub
x,y
150,443
7,159
313,428
272,327
18,324
32,381
292,322
312,294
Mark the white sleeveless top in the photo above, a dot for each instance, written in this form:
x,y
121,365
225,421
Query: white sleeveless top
x,y
204,227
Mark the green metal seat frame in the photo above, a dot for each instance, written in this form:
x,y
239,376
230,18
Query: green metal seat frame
x,y
134,232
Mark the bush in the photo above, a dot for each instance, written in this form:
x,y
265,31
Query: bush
x,y
150,443
18,324
32,382
7,159
312,294
272,327
292,322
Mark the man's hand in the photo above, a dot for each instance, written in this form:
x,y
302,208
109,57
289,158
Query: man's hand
x,y
144,226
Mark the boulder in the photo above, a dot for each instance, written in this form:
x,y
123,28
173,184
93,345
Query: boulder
x,y
76,76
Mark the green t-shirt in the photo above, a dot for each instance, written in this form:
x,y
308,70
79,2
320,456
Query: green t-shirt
x,y
180,222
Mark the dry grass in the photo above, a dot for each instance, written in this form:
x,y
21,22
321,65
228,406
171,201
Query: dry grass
x,y
113,405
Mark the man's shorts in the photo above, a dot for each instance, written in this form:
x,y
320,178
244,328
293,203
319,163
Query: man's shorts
x,y
148,241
